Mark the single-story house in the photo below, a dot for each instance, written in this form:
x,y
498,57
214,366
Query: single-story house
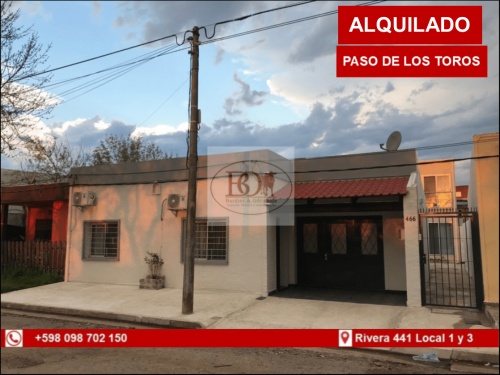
x,y
263,222
45,212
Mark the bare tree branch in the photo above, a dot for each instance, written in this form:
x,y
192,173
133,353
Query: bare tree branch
x,y
23,102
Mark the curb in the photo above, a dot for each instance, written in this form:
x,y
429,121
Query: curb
x,y
166,323
442,353
491,312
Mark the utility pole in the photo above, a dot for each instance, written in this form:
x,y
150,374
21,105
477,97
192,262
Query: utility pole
x,y
188,286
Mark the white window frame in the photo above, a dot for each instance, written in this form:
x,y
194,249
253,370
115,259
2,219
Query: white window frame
x,y
111,237
438,193
224,240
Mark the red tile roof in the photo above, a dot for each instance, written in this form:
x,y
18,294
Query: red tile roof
x,y
349,188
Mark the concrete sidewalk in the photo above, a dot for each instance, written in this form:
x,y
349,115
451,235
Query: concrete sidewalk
x,y
222,309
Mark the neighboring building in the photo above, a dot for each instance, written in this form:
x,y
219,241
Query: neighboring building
x,y
354,225
451,256
438,180
484,195
46,209
462,195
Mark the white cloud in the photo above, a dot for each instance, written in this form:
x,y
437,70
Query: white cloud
x,y
102,125
160,130
63,128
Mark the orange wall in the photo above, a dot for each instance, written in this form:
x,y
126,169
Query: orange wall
x,y
32,216
59,215
59,220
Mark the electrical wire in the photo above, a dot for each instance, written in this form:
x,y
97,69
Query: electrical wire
x,y
41,188
107,173
165,101
146,59
160,39
265,28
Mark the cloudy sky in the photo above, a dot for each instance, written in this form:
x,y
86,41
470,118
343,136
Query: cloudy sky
x,y
276,87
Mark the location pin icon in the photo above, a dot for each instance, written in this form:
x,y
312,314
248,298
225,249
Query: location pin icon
x,y
344,336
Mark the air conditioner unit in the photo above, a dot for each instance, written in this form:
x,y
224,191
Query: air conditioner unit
x,y
81,199
176,202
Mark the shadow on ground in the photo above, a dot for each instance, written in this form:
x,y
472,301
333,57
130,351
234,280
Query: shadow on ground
x,y
340,295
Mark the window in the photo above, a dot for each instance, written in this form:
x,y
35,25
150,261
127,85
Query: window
x,y
369,239
211,240
441,239
338,233
101,240
311,238
438,191
43,230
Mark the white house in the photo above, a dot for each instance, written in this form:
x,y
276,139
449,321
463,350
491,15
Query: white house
x,y
335,222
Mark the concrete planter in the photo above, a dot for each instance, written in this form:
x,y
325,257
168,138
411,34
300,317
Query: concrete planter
x,y
150,283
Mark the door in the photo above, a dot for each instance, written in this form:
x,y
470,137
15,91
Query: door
x,y
341,253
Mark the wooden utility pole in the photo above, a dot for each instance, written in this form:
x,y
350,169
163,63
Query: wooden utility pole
x,y
188,286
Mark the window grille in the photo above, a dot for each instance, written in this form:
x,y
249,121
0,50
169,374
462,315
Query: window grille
x,y
101,240
211,239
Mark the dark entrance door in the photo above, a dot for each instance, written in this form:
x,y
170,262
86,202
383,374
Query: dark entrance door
x,y
341,253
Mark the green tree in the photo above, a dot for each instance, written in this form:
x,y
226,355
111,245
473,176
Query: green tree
x,y
23,101
120,149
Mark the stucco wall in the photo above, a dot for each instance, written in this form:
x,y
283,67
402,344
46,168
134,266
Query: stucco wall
x,y
484,195
412,202
142,230
394,253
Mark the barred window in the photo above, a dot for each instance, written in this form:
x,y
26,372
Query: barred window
x,y
211,240
101,240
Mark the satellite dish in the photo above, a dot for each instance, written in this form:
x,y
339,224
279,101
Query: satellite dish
x,y
393,142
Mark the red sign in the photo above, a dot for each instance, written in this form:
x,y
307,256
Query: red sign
x,y
249,338
410,25
412,61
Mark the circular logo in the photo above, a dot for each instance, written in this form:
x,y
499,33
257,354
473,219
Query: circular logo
x,y
251,187
13,338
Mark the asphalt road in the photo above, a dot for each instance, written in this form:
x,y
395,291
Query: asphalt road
x,y
196,361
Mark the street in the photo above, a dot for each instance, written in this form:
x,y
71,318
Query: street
x,y
200,361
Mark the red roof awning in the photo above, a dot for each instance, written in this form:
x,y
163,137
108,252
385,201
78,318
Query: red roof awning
x,y
372,187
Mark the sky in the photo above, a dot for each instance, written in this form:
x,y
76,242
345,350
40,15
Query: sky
x,y
276,87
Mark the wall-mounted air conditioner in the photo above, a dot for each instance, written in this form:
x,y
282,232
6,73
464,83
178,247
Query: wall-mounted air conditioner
x,y
176,202
81,199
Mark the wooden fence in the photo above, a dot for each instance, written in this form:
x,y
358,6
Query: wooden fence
x,y
45,256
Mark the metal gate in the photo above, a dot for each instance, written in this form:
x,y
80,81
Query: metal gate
x,y
450,254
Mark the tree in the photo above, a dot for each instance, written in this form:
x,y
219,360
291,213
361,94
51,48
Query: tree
x,y
120,149
23,101
49,161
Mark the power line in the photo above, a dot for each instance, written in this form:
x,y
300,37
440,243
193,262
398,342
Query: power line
x,y
166,100
454,144
295,172
160,39
146,59
107,54
112,76
308,18
310,171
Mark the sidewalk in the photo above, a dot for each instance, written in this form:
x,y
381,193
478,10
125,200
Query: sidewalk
x,y
224,309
